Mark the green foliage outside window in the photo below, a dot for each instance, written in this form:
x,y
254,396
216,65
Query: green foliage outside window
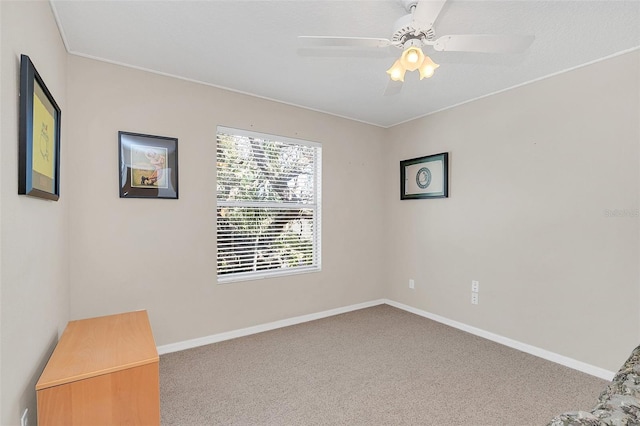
x,y
266,213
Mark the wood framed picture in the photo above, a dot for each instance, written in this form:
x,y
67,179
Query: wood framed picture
x,y
425,177
38,136
148,166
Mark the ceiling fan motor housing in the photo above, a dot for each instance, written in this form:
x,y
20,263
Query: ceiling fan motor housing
x,y
405,35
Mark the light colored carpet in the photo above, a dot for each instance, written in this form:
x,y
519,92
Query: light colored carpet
x,y
375,366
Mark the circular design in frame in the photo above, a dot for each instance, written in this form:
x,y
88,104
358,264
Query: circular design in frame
x,y
423,177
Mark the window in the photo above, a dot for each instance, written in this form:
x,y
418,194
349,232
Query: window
x,y
268,205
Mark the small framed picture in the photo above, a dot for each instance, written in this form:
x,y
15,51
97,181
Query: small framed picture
x,y
148,166
38,136
425,177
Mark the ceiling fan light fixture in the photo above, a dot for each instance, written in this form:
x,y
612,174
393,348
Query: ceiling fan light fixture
x,y
412,58
397,71
427,68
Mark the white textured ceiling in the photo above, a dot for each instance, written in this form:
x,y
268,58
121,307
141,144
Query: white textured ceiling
x,y
252,47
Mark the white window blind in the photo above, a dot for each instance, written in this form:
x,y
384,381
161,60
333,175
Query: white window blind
x,y
268,205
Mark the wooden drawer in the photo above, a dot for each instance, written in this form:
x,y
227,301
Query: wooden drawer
x,y
104,371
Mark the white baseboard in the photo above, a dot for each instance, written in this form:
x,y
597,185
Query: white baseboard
x,y
541,353
215,338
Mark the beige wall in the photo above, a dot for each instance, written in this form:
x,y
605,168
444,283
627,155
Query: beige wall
x,y
532,171
34,261
160,255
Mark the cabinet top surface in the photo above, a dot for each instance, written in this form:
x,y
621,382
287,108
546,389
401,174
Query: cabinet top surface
x,y
95,346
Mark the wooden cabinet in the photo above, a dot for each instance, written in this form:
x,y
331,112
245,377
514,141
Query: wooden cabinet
x,y
103,371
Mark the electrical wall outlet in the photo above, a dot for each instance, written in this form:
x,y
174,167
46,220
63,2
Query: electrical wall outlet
x,y
24,420
475,286
412,284
474,298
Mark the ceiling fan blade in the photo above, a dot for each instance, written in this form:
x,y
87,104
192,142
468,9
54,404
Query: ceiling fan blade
x,y
393,88
333,52
426,13
484,43
329,41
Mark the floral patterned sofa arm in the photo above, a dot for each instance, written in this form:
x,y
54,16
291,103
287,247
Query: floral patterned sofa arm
x,y
618,404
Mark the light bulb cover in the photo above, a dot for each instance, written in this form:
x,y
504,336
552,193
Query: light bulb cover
x,y
397,71
412,58
427,68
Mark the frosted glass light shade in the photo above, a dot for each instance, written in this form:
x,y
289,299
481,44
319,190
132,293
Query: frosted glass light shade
x,y
427,68
412,58
396,72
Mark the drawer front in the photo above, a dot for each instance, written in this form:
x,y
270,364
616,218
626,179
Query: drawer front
x,y
125,397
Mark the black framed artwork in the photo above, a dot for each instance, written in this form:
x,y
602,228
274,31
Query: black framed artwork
x,y
425,177
38,136
148,166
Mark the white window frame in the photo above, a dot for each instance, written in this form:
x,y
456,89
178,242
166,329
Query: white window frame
x,y
316,207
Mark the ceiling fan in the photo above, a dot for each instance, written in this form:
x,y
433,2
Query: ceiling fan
x,y
414,31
